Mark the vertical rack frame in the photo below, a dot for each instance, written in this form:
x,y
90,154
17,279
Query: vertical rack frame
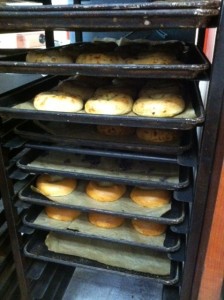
x,y
12,217
205,169
214,110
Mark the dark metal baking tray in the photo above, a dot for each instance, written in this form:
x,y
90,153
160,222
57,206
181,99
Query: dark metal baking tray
x,y
36,249
9,100
130,172
117,5
87,136
188,159
140,16
171,242
6,130
193,63
174,216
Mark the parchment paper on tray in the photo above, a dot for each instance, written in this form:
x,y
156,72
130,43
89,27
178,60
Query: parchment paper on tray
x,y
116,255
123,233
106,166
79,198
188,113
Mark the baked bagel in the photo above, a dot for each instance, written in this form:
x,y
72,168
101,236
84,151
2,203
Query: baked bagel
x,y
148,228
105,191
105,221
150,198
61,214
53,185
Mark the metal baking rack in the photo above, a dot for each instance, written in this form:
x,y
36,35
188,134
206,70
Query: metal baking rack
x,y
9,287
191,14
8,280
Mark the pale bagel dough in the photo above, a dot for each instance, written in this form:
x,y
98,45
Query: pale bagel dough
x,y
72,87
154,87
159,103
48,56
157,135
57,101
110,101
153,58
119,89
99,58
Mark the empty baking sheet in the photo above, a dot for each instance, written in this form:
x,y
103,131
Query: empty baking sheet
x,y
87,135
132,172
170,214
125,234
35,248
18,104
192,63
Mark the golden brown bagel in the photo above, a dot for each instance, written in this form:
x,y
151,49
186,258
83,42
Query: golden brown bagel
x,y
150,198
105,191
51,185
148,228
61,214
105,221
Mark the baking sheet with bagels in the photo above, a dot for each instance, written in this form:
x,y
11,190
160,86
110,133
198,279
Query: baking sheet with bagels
x,y
155,99
105,196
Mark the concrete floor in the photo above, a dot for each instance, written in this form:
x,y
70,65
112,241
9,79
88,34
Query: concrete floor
x,y
100,285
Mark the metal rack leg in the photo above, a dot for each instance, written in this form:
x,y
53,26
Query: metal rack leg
x,y
191,277
11,217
